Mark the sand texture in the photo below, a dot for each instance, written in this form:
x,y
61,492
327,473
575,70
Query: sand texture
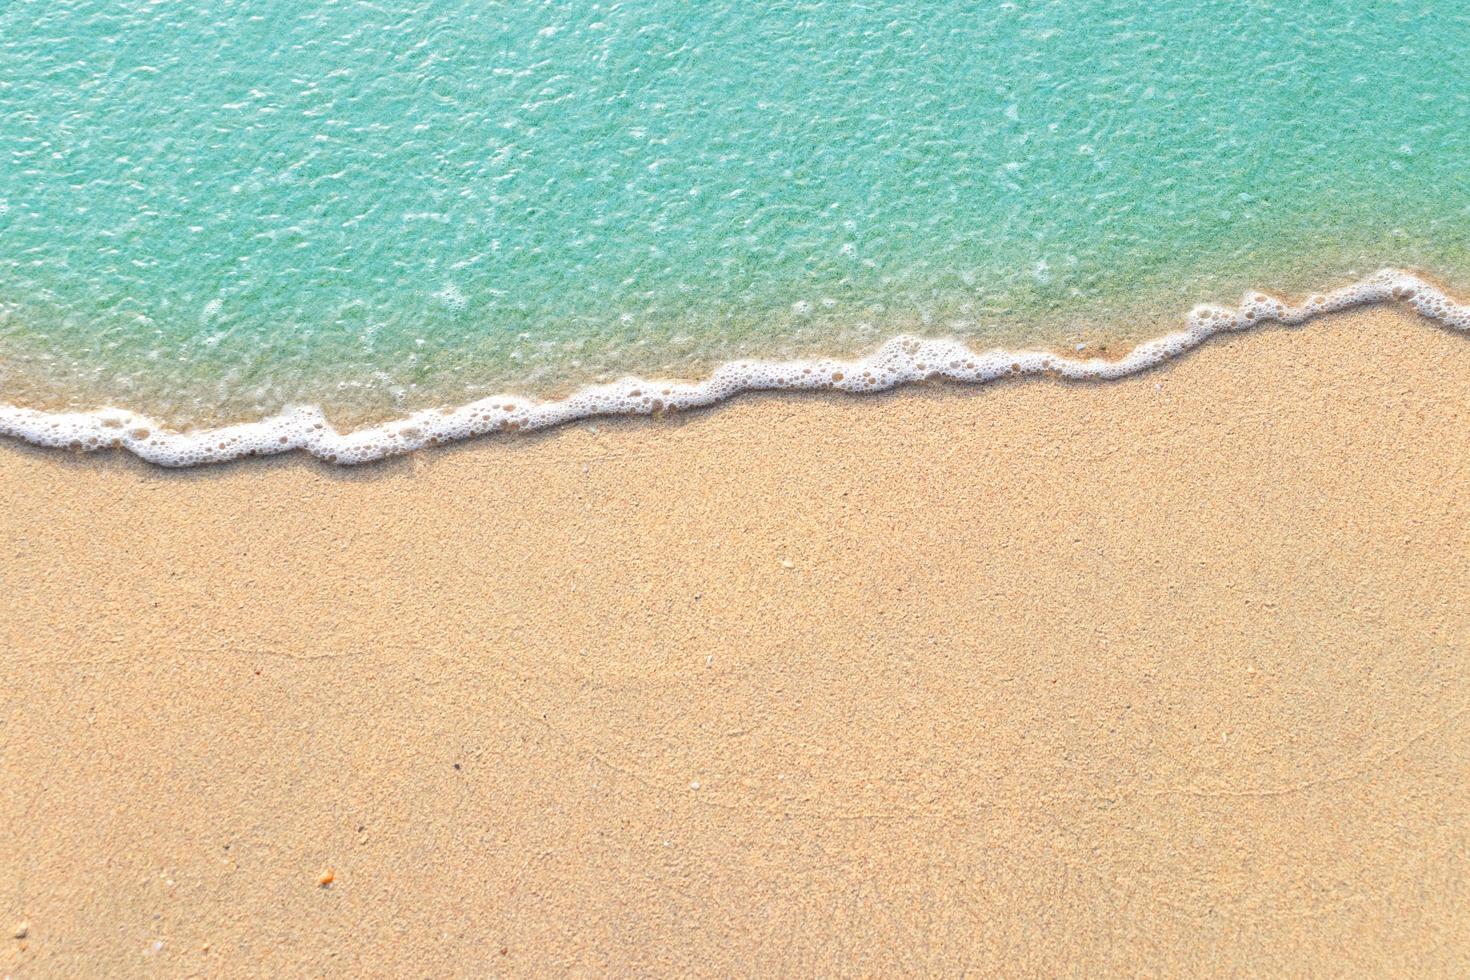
x,y
1161,675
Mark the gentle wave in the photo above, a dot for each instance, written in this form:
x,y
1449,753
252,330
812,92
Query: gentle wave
x,y
902,360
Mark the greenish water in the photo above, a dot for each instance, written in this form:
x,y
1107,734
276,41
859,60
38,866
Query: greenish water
x,y
210,210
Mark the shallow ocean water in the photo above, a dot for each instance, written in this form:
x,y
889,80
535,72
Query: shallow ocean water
x,y
212,211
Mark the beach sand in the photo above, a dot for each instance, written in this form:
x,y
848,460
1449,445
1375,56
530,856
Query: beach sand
x,y
1161,675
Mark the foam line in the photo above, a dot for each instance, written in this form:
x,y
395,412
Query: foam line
x,y
902,360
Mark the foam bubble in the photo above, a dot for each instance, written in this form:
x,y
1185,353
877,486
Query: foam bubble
x,y
901,360
452,297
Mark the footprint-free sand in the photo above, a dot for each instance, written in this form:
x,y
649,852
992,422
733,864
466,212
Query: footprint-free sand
x,y
1167,674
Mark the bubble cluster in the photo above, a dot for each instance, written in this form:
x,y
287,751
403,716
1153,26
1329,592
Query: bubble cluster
x,y
451,297
901,360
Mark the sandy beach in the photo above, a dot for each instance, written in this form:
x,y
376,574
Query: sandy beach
x,y
1153,676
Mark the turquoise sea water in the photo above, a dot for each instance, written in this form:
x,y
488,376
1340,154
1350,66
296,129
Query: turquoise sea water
x,y
212,210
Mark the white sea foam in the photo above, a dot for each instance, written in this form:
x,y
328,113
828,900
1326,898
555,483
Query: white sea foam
x,y
899,361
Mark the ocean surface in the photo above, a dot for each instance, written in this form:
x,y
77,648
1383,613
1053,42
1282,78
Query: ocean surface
x,y
217,212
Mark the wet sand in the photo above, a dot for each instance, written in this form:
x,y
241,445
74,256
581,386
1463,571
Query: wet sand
x,y
1159,675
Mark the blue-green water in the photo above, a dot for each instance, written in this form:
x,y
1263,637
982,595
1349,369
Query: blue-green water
x,y
211,210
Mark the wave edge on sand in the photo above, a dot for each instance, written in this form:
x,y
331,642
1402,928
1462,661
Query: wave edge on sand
x,y
903,359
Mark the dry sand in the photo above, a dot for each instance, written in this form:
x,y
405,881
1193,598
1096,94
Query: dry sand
x,y
1170,674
